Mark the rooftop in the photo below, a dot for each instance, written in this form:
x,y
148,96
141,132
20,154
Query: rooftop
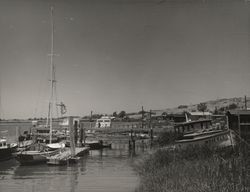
x,y
198,113
239,112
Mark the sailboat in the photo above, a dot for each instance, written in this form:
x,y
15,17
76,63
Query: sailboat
x,y
38,152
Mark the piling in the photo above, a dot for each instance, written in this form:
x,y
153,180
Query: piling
x,y
75,131
72,136
131,142
81,135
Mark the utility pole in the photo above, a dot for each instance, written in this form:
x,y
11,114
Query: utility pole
x,y
150,125
91,112
245,102
142,117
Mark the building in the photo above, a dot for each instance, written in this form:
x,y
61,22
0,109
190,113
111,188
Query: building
x,y
194,116
65,120
104,121
176,118
239,121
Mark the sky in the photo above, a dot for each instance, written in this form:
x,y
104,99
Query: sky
x,y
115,55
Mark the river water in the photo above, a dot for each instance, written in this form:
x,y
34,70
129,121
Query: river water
x,y
107,170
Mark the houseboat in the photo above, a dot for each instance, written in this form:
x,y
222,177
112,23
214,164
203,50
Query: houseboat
x,y
202,133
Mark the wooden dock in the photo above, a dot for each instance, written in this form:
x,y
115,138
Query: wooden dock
x,y
65,156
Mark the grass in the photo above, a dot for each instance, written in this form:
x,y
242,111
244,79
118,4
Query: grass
x,y
196,169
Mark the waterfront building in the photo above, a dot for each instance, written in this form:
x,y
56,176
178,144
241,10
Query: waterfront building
x,y
104,121
199,115
239,122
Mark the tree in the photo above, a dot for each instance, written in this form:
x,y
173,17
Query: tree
x,y
115,114
122,114
216,111
202,107
164,114
232,106
96,116
182,106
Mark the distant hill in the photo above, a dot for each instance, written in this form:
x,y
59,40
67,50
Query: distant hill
x,y
220,104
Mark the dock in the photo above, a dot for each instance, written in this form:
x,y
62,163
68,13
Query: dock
x,y
65,156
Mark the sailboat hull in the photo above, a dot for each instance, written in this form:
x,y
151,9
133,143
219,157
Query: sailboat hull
x,y
34,157
5,154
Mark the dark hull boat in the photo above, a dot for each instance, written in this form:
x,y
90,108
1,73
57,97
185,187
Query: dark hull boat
x,y
5,154
6,150
201,133
33,157
36,154
95,145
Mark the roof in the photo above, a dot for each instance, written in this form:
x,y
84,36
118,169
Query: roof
x,y
176,115
198,113
239,112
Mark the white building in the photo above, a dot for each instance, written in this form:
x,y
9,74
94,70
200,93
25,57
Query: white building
x,y
104,121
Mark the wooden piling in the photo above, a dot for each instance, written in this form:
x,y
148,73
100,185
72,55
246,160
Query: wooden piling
x,y
72,136
81,134
76,131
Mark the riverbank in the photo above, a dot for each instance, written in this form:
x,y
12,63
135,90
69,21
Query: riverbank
x,y
197,169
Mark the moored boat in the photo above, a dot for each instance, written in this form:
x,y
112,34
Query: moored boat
x,y
39,152
96,144
36,153
6,150
202,133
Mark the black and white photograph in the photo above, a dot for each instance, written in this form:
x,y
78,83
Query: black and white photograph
x,y
124,96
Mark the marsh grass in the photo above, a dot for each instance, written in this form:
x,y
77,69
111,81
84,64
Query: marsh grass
x,y
196,169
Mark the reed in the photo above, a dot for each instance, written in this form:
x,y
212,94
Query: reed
x,y
196,169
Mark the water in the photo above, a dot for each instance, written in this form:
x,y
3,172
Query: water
x,y
100,171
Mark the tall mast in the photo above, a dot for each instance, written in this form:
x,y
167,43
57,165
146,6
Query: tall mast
x,y
52,77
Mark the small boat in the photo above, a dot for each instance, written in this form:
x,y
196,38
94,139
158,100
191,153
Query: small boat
x,y
36,153
6,150
201,133
96,144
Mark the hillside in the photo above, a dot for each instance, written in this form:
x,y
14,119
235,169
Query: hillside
x,y
220,104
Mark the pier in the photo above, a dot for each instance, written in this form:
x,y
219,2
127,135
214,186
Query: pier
x,y
65,156
69,154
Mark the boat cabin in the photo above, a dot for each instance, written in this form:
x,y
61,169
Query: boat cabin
x,y
193,126
42,131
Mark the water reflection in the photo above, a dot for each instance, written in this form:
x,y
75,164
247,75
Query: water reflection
x,y
101,170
